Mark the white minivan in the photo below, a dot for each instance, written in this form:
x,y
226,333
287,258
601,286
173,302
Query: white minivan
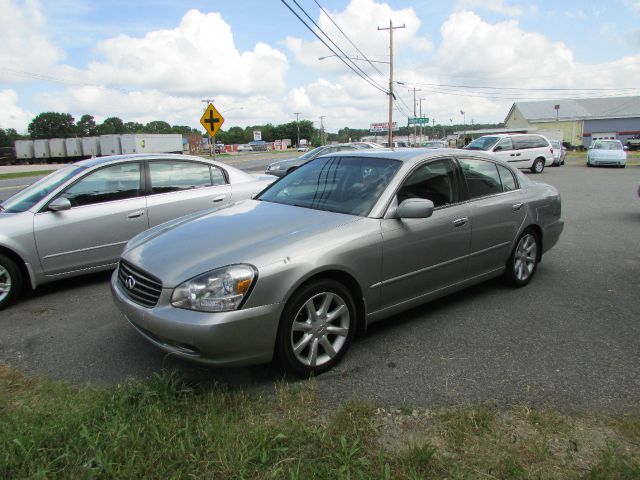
x,y
524,150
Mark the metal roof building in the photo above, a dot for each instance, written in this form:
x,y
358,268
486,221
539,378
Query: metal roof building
x,y
579,121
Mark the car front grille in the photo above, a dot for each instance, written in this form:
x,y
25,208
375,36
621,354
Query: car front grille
x,y
138,285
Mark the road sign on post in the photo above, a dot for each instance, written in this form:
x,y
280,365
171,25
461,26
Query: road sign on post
x,y
212,120
418,121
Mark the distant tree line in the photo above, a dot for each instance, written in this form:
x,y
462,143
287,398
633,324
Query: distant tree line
x,y
63,125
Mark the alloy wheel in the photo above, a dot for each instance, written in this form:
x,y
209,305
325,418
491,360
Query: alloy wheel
x,y
5,283
525,257
320,329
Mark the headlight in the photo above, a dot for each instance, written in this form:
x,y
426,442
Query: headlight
x,y
274,167
219,290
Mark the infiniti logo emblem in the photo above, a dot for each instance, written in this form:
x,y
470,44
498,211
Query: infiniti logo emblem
x,y
130,282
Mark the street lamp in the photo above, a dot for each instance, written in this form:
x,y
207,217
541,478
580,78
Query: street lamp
x,y
464,127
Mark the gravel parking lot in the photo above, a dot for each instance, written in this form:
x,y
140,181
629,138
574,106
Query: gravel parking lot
x,y
568,341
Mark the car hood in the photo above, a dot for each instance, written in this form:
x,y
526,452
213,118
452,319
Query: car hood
x,y
252,231
286,161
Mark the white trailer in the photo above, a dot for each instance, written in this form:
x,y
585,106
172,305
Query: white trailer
x,y
151,143
73,146
110,145
90,146
57,148
41,148
24,149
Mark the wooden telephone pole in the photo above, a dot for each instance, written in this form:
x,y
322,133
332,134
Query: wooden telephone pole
x,y
391,96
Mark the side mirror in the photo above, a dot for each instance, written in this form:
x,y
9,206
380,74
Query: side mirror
x,y
60,204
497,149
413,208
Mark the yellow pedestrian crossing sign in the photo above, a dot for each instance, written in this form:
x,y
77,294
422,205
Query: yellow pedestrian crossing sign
x,y
212,120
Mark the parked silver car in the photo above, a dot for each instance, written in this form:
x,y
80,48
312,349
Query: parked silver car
x,y
284,167
344,241
559,152
78,219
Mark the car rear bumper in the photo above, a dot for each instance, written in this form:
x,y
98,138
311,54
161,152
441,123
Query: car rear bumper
x,y
551,234
240,337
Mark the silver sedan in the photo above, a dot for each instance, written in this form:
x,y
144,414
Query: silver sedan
x,y
344,241
78,219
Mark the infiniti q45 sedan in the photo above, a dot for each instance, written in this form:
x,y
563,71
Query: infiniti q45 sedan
x,y
338,244
78,219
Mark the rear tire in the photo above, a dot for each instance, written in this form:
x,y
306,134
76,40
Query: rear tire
x,y
316,329
10,281
538,165
523,261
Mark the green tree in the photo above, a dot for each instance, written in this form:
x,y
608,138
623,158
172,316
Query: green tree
x,y
157,126
52,125
133,127
86,126
111,126
8,137
183,129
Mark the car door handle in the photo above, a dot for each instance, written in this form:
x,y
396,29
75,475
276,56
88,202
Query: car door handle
x,y
137,214
458,222
217,199
517,206
512,155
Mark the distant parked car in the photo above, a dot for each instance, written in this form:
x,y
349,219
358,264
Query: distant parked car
x,y
633,143
606,152
435,144
78,219
395,144
519,150
368,144
559,152
303,148
219,148
283,167
245,148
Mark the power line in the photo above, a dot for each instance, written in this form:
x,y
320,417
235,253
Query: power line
x,y
362,75
347,37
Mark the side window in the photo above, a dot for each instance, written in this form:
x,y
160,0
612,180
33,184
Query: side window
x,y
346,148
217,177
506,177
117,182
504,144
172,176
435,181
481,176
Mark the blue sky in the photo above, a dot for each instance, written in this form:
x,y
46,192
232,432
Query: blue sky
x,y
149,60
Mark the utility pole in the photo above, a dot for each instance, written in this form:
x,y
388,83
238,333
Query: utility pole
x,y
212,140
391,96
415,140
322,117
297,125
421,120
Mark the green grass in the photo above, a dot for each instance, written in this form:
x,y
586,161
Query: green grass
x,y
32,173
164,427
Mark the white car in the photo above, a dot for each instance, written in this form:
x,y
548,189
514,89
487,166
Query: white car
x,y
245,148
525,150
606,152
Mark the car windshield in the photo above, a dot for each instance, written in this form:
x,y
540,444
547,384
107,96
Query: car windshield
x,y
433,144
600,145
350,185
311,153
482,143
28,197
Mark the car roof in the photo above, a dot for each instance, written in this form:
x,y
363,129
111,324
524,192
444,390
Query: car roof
x,y
411,155
94,161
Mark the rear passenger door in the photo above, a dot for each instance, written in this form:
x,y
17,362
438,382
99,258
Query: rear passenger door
x,y
496,213
179,187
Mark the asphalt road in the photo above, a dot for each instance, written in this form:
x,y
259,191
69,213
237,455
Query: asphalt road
x,y
569,340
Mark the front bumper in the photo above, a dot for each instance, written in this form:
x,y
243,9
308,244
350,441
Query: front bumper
x,y
278,173
240,337
607,161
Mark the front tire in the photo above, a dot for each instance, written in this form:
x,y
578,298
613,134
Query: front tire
x,y
316,329
10,281
523,261
538,165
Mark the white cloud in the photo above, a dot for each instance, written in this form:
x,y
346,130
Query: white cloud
x,y
199,57
11,115
499,6
360,21
635,5
25,43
